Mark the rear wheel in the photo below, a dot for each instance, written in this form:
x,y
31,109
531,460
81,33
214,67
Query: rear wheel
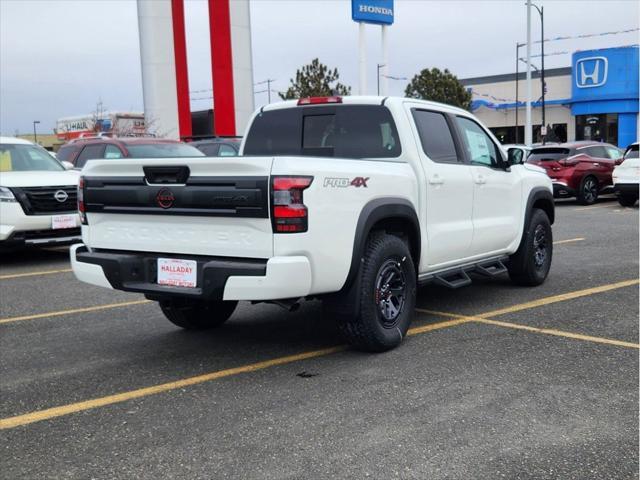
x,y
387,296
531,263
197,315
627,200
588,191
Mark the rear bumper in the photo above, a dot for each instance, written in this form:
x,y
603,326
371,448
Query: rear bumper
x,y
562,189
218,278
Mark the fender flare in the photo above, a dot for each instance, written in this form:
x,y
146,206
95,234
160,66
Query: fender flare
x,y
536,194
372,213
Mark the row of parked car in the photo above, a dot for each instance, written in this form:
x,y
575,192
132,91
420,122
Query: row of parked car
x,y
38,192
586,169
77,152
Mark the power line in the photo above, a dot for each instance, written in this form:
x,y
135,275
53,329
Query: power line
x,y
585,35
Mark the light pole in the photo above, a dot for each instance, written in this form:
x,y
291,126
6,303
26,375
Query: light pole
x,y
35,135
380,65
544,124
518,45
527,128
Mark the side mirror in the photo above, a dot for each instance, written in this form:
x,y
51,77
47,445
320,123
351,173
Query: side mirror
x,y
67,165
515,156
618,161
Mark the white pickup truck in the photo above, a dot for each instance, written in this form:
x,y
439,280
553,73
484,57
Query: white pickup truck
x,y
353,200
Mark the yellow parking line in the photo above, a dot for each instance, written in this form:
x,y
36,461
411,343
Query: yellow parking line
x,y
72,311
54,412
569,240
560,298
528,328
33,274
436,326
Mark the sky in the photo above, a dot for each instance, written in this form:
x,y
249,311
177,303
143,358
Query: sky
x,y
60,57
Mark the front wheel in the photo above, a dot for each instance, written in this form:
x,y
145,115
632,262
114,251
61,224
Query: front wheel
x,y
197,315
387,296
531,263
588,191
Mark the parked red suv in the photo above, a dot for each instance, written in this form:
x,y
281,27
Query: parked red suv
x,y
578,169
78,151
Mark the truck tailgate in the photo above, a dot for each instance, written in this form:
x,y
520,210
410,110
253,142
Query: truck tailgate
x,y
196,206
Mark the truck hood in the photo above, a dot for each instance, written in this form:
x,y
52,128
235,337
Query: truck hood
x,y
39,179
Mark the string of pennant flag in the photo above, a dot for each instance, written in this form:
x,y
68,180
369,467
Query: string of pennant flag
x,y
585,35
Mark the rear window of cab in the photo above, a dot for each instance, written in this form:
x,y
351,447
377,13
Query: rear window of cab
x,y
342,131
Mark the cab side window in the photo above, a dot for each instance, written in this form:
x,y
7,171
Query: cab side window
x,y
111,151
227,151
596,152
209,149
435,136
614,153
480,148
90,152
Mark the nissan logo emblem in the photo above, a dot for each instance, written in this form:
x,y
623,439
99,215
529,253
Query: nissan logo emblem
x,y
61,196
165,198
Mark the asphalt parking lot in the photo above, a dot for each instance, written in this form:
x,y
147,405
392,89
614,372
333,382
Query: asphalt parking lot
x,y
495,381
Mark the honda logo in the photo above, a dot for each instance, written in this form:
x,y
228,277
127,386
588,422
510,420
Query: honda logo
x,y
591,72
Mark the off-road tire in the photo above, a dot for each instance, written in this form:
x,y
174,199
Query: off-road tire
x,y
385,256
587,193
197,315
525,267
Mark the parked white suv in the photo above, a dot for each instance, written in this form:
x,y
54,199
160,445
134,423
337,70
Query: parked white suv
x,y
354,200
37,197
626,177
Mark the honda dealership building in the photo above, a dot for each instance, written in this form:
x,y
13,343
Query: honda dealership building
x,y
596,98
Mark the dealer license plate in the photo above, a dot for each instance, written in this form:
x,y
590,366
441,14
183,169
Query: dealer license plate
x,y
177,273
63,221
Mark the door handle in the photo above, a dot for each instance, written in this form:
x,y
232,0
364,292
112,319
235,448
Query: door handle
x,y
480,180
596,164
436,180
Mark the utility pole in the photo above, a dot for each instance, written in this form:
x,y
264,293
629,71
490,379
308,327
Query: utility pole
x,y
269,90
544,124
35,135
527,128
518,45
268,81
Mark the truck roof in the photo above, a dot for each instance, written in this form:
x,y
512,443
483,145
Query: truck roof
x,y
369,100
15,141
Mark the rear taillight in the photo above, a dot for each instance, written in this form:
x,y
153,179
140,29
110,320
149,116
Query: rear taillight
x,y
288,212
569,162
81,209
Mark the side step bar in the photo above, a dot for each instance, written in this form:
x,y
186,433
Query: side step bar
x,y
457,277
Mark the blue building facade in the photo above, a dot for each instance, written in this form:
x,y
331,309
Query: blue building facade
x,y
604,94
596,98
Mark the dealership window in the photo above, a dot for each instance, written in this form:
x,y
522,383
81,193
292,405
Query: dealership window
x,y
556,133
599,128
